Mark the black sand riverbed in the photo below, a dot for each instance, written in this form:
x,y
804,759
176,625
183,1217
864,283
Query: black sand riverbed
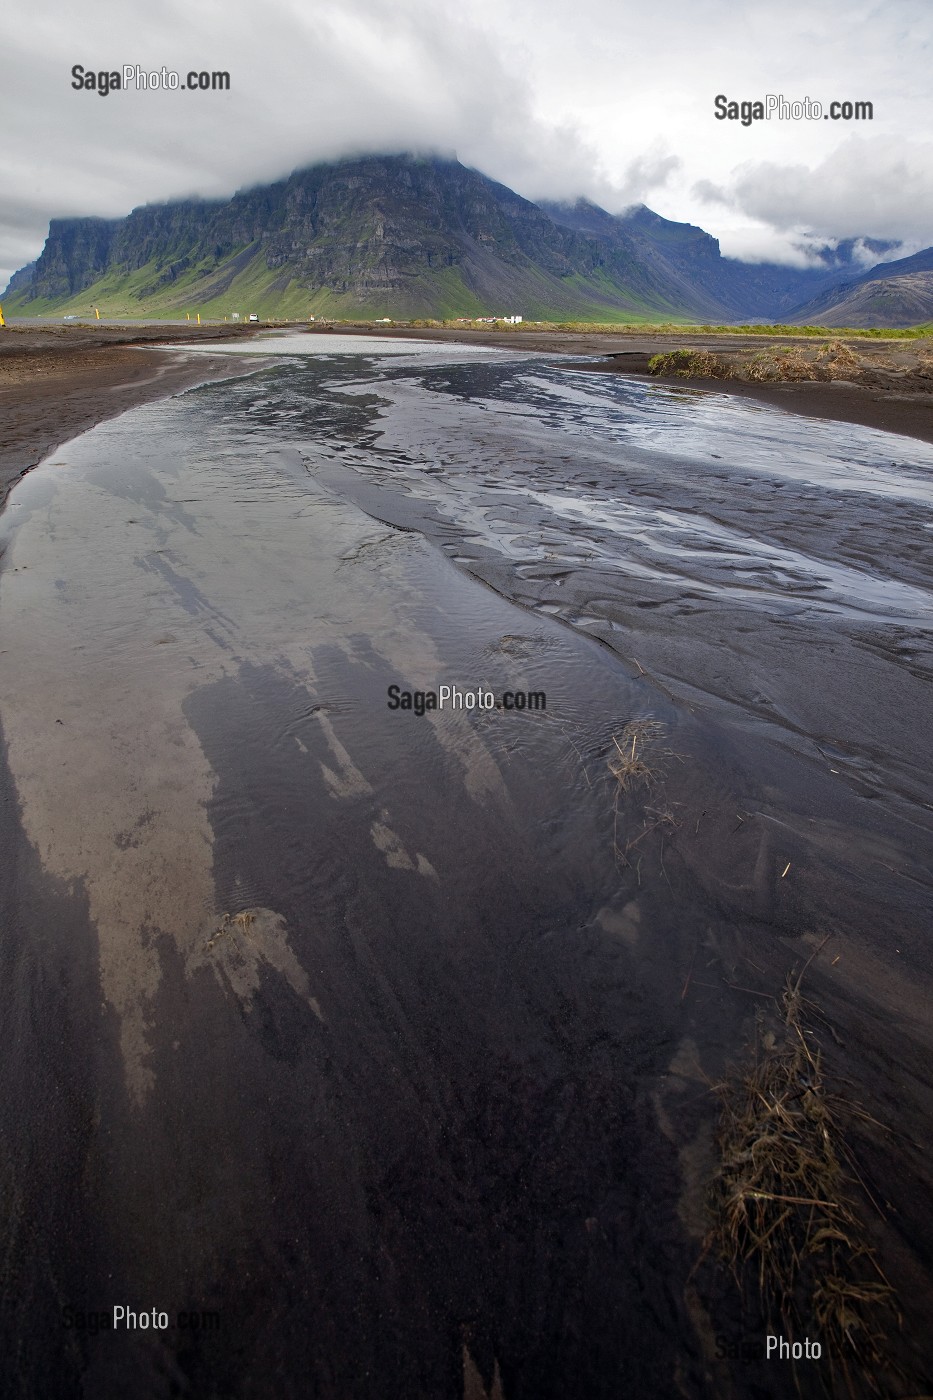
x,y
428,1112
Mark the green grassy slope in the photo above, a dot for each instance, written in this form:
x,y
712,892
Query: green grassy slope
x,y
441,293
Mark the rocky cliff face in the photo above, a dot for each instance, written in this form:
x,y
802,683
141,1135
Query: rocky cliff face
x,y
381,227
76,254
407,236
20,282
418,236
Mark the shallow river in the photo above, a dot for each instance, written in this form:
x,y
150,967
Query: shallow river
x,y
380,1043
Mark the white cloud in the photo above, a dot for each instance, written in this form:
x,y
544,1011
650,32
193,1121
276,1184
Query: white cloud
x,y
869,187
876,186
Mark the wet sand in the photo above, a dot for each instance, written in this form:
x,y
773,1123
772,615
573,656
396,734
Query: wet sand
x,y
57,381
352,1122
355,1027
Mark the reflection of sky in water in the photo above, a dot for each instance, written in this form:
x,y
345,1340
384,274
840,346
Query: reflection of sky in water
x,y
744,435
549,466
684,489
327,346
614,409
735,563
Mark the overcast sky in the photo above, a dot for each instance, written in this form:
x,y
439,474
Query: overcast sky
x,y
604,98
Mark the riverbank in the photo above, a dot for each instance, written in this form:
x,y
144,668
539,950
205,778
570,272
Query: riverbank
x,y
58,381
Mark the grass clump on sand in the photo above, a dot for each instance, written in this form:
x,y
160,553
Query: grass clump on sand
x,y
630,764
636,760
780,364
232,923
691,364
783,1208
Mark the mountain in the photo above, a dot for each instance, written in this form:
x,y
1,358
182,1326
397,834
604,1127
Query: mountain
x,y
20,281
690,260
402,236
897,293
393,235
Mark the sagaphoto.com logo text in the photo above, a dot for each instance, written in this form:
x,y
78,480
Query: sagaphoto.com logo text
x,y
777,106
132,78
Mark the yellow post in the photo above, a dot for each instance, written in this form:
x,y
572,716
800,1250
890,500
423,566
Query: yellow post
x,y
187,315
97,312
199,318
2,322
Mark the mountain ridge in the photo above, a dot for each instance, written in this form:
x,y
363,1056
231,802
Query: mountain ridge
x,y
407,237
898,292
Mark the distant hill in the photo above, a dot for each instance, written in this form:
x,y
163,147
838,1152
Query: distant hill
x,y
405,237
897,293
690,260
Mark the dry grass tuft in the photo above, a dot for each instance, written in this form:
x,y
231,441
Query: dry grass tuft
x,y
232,923
634,747
784,1214
782,364
778,366
637,760
839,359
691,364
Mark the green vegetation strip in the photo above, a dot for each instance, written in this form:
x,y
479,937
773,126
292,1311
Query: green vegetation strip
x,y
677,328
